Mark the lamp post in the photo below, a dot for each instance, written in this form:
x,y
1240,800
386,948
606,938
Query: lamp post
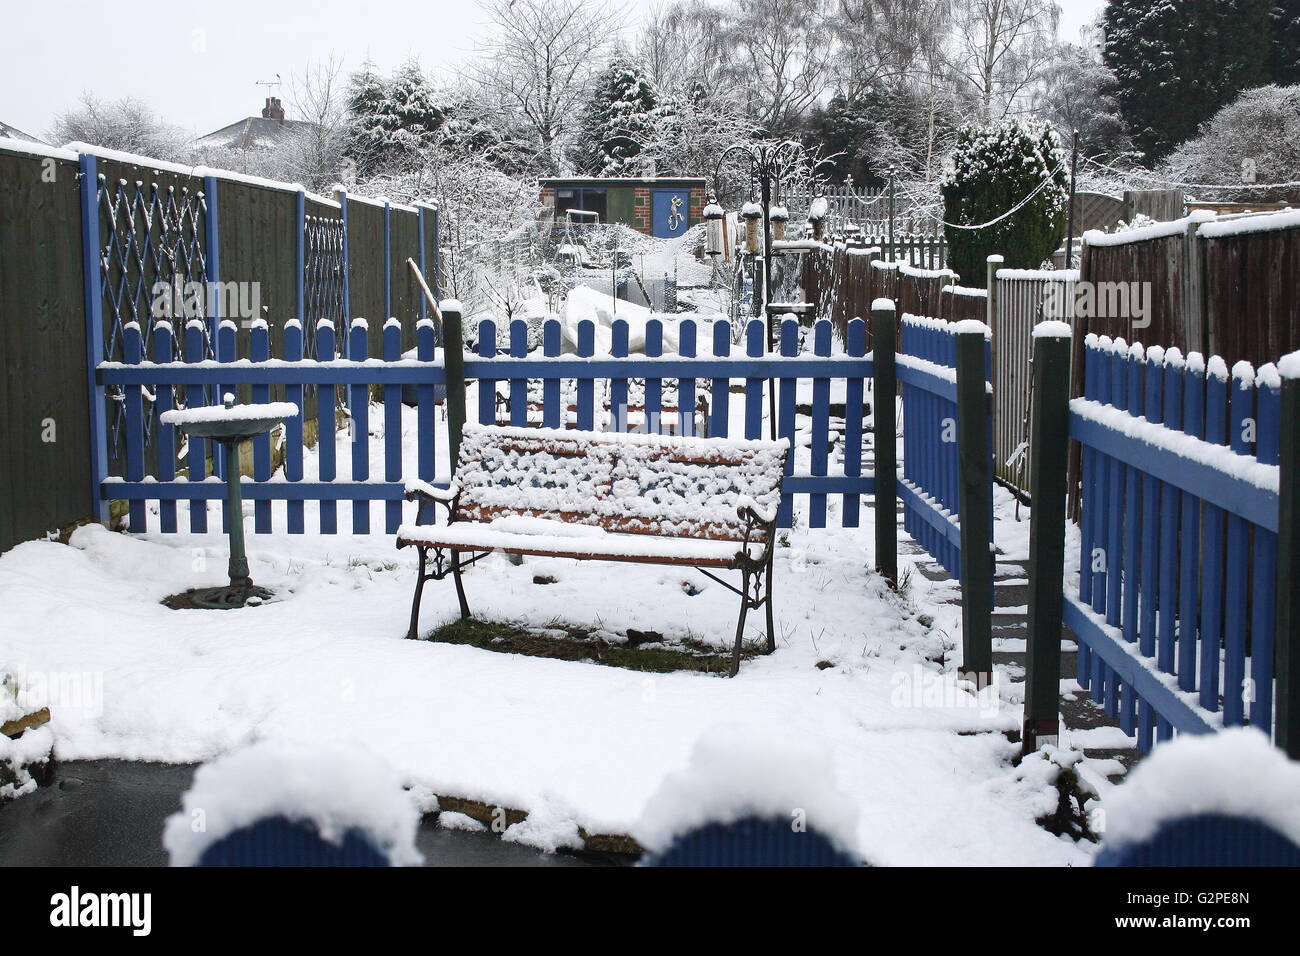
x,y
767,163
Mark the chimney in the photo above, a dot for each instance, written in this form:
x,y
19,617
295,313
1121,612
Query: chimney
x,y
273,110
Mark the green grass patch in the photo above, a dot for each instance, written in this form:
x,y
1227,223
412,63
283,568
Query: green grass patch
x,y
582,644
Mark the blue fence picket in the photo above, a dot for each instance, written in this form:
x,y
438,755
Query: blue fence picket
x,y
1264,565
654,386
686,346
225,354
552,413
518,386
618,409
358,351
1236,590
855,347
196,450
487,387
720,408
586,387
1212,577
293,427
133,407
164,400
1189,547
1115,480
426,338
785,425
821,423
1134,378
755,336
326,417
393,424
260,351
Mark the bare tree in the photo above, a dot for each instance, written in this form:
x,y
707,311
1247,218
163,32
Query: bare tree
x,y
787,47
313,152
885,40
1000,48
126,124
690,44
541,61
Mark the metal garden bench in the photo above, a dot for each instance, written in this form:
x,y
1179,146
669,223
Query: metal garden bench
x,y
707,503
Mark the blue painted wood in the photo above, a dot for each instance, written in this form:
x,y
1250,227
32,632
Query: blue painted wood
x,y
426,452
260,351
358,349
1115,482
755,335
196,456
347,291
212,253
164,401
322,373
487,385
293,427
1189,545
1134,378
720,403
1236,591
855,346
225,354
1170,501
518,386
93,295
300,263
654,391
1212,571
552,414
686,346
1102,498
586,386
618,409
1088,505
821,422
326,416
785,425
393,425
941,528
331,491
1264,566
133,406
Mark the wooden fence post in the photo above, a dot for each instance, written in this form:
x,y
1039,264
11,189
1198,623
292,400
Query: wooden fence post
x,y
453,352
883,332
1286,649
975,470
1047,470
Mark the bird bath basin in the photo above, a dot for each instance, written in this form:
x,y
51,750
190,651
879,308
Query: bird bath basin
x,y
231,424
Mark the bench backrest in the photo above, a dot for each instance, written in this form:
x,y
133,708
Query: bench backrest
x,y
622,482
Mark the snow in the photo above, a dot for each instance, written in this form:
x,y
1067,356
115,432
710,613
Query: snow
x,y
1050,275
1288,366
971,327
19,753
1217,368
819,208
1243,373
450,305
882,305
1268,377
1235,772
734,773
339,785
221,413
1052,329
1262,222
1159,230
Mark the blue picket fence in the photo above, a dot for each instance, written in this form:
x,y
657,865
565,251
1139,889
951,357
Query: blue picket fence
x,y
1175,602
690,368
930,484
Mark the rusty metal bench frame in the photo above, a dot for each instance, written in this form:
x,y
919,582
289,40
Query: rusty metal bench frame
x,y
755,590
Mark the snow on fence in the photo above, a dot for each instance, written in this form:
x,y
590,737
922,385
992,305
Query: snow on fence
x,y
828,441
1176,593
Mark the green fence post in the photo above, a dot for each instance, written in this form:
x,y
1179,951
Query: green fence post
x,y
453,350
975,472
1286,652
883,331
1049,457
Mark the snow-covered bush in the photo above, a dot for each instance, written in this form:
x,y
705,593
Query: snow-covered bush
x,y
1261,127
993,170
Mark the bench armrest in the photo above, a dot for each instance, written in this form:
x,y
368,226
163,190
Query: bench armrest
x,y
422,489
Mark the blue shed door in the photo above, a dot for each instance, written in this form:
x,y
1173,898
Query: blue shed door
x,y
671,212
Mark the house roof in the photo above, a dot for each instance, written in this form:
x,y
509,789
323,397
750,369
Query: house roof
x,y
253,132
10,132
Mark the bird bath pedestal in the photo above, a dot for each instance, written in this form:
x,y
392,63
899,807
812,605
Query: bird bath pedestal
x,y
231,424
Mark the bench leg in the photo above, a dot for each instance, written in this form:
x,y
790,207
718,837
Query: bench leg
x,y
740,626
771,632
414,631
460,587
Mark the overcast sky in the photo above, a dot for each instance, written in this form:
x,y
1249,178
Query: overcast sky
x,y
197,64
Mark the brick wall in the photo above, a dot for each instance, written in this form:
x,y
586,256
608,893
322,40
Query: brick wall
x,y
641,210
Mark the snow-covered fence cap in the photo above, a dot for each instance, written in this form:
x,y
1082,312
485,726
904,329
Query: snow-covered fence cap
x,y
734,774
338,786
882,305
971,326
1236,772
1052,329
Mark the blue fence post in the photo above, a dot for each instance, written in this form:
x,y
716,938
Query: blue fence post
x,y
1287,623
212,243
1264,564
133,400
293,427
166,436
720,408
785,426
586,387
437,254
426,452
92,288
260,351
359,348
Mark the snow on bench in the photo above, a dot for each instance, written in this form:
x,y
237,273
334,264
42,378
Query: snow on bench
x,y
607,496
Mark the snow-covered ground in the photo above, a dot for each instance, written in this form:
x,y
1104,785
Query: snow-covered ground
x,y
575,744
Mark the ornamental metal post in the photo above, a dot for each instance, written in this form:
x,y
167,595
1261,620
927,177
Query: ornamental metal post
x,y
93,290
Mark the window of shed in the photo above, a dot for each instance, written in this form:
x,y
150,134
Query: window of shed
x,y
587,200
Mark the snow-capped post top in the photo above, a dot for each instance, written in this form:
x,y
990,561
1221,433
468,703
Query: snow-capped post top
x,y
1235,772
336,786
997,259
734,774
1052,329
1288,366
713,210
818,209
779,213
450,305
751,210
228,399
971,327
882,305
